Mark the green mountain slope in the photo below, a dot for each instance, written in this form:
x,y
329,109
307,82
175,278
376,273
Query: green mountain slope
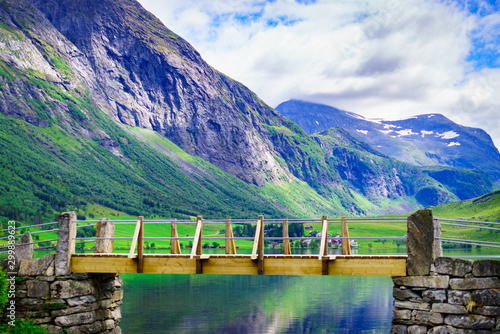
x,y
486,207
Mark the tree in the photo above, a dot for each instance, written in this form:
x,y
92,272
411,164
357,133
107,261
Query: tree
x,y
215,244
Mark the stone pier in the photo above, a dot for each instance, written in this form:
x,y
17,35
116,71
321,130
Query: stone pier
x,y
443,295
64,302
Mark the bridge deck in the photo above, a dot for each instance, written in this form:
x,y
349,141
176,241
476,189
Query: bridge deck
x,y
243,264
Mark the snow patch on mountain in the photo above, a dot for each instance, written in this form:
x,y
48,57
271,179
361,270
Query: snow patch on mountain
x,y
454,143
362,131
447,135
424,133
406,132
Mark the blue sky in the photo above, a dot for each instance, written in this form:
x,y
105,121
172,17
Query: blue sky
x,y
377,58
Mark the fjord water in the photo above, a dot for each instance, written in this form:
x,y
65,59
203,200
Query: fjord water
x,y
256,304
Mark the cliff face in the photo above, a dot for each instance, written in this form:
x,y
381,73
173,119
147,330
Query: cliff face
x,y
141,74
67,68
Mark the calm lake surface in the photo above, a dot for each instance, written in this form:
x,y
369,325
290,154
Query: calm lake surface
x,y
260,304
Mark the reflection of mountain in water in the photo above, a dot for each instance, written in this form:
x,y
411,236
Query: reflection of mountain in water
x,y
255,304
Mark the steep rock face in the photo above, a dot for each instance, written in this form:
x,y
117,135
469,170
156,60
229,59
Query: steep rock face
x,y
144,75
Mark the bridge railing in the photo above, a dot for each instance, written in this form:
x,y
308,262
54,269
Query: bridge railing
x,y
104,236
493,229
323,237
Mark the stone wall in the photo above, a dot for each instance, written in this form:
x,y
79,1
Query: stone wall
x,y
76,303
456,297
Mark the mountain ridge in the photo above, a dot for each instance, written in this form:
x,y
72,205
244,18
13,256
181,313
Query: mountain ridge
x,y
422,140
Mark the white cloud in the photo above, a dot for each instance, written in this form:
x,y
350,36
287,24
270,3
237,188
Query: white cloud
x,y
375,58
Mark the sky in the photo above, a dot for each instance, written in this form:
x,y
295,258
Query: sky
x,y
386,59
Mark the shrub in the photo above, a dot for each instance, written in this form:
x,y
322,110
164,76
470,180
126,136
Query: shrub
x,y
3,289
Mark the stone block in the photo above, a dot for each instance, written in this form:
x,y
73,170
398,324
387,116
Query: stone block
x,y
434,296
470,321
117,295
404,294
105,303
81,300
450,330
95,327
401,314
486,268
486,297
29,304
415,329
75,319
116,314
431,282
116,330
475,283
448,308
399,329
108,324
453,267
36,267
420,242
72,310
458,297
488,311
104,314
428,318
24,252
411,305
70,289
38,289
21,293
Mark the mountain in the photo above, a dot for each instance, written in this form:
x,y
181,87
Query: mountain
x,y
102,105
423,140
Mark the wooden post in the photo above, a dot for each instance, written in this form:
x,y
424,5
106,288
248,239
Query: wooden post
x,y
323,250
131,253
230,245
261,246
346,246
175,247
258,245
140,246
197,246
286,242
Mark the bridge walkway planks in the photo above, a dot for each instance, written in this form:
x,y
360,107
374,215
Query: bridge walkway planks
x,y
242,264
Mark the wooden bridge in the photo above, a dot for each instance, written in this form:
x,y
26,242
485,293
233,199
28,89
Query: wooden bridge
x,y
103,260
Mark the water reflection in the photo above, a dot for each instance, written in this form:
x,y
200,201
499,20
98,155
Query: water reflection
x,y
256,304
